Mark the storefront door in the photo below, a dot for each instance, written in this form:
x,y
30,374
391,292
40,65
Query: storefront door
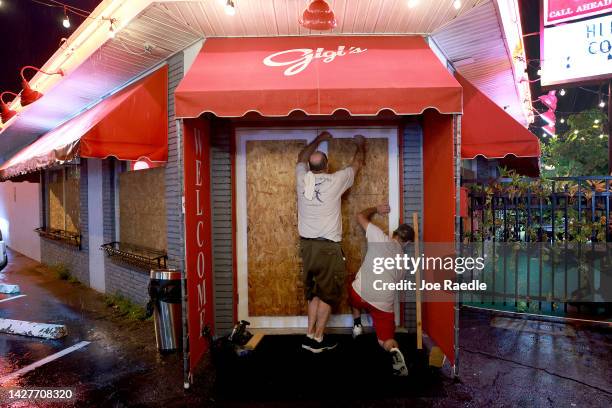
x,y
270,289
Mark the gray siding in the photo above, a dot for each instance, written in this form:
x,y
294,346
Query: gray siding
x,y
412,163
222,234
176,246
126,280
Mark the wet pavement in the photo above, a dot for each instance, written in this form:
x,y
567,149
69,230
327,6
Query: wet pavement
x,y
504,362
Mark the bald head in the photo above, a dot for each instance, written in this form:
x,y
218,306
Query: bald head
x,y
317,162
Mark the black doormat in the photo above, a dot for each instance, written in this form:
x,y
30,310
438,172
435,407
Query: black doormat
x,y
280,370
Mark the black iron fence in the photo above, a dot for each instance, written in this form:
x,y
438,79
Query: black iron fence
x,y
547,242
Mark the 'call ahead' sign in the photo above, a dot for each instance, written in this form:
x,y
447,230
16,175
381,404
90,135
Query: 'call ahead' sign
x,y
577,52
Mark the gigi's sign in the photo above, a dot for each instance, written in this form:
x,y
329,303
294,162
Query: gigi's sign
x,y
198,244
298,59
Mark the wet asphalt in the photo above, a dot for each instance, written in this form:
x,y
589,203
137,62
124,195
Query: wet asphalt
x,y
504,362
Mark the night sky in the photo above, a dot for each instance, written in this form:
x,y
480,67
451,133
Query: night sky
x,y
30,33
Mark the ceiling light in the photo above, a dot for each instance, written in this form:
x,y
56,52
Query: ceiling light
x,y
457,4
562,92
602,104
596,121
412,3
318,16
66,21
230,8
562,120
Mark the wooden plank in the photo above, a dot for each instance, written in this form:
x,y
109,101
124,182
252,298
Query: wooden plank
x,y
417,277
274,265
142,208
254,341
370,189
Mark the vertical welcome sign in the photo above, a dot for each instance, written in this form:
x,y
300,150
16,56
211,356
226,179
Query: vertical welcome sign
x,y
198,245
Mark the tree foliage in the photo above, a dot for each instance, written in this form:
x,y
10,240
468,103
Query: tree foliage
x,y
580,150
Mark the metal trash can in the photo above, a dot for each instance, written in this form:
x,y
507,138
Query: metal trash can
x,y
165,305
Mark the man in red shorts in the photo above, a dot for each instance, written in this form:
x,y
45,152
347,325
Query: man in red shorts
x,y
363,294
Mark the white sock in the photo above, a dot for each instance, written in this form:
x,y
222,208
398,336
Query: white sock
x,y
318,339
310,335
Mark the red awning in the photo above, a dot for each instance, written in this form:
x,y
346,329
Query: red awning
x,y
317,75
487,130
129,125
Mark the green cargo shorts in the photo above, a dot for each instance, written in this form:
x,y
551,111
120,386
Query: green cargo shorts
x,y
324,270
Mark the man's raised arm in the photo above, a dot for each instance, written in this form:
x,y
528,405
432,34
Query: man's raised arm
x,y
359,158
309,149
364,216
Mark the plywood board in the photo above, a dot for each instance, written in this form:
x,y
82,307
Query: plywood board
x,y
142,208
56,216
275,286
72,200
65,199
371,188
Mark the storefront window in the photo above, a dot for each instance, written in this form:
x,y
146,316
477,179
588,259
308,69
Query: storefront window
x,y
64,199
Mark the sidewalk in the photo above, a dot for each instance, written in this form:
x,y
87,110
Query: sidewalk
x,y
503,362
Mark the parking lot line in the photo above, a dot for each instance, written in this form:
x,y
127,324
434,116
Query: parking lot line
x,y
11,298
44,361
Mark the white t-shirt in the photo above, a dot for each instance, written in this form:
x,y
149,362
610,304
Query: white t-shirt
x,y
379,246
321,217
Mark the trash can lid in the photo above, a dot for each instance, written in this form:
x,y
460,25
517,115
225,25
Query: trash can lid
x,y
165,274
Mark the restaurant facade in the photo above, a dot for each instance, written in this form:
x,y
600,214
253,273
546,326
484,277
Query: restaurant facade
x,y
189,165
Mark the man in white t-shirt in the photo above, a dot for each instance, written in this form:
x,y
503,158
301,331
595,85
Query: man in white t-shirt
x,y
319,195
363,294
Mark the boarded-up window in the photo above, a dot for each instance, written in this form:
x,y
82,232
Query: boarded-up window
x,y
142,208
64,199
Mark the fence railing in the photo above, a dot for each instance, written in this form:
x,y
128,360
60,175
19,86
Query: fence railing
x,y
548,243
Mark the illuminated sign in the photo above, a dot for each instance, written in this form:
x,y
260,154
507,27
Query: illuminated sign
x,y
577,52
557,11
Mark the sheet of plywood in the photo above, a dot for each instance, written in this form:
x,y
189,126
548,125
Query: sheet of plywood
x,y
142,208
275,285
56,215
371,188
72,200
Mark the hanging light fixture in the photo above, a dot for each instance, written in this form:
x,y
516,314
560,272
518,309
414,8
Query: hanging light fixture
x,y
457,4
549,100
549,117
6,113
66,21
318,16
29,95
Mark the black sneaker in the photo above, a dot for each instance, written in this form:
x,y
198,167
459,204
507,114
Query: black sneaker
x,y
319,346
307,342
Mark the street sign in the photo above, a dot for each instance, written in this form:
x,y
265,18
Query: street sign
x,y
577,52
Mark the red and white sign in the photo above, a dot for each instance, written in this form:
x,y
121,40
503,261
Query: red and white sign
x,y
558,11
198,241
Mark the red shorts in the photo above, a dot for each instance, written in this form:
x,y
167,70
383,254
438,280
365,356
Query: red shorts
x,y
384,322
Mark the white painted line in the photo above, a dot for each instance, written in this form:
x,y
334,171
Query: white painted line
x,y
44,361
33,329
11,298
